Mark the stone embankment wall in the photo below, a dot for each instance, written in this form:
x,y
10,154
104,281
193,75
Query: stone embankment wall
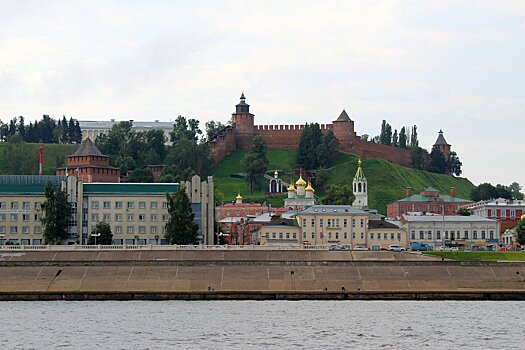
x,y
251,275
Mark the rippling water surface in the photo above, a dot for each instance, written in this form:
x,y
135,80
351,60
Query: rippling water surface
x,y
262,325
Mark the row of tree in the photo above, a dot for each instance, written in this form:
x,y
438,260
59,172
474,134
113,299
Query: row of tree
x,y
487,191
406,138
46,130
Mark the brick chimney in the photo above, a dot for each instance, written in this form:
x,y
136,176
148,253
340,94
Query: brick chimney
x,y
408,191
452,192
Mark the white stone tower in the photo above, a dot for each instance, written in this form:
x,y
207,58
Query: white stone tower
x,y
360,187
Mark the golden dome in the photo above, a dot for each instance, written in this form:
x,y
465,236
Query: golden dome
x,y
276,173
238,196
300,182
359,162
309,188
291,188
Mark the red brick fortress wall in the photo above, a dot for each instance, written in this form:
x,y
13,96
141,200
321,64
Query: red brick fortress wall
x,y
283,136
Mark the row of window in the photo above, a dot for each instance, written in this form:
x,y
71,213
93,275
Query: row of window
x,y
452,234
282,235
385,236
129,205
503,213
25,217
333,235
130,217
16,205
140,229
25,230
331,222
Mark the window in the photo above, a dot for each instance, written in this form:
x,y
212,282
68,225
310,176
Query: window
x,y
336,222
320,222
363,235
153,217
346,235
142,217
38,205
37,229
304,235
118,205
429,234
399,237
130,205
313,235
274,235
107,217
130,217
164,205
371,235
345,222
304,222
413,235
14,217
337,235
118,217
362,222
379,236
465,234
475,234
14,205
2,205
142,205
491,234
313,223
118,229
107,205
329,235
165,217
153,229
353,235
130,229
2,217
94,205
329,223
446,234
438,234
267,235
38,217
483,234
25,217
353,222
25,205
287,235
421,233
25,230
453,235
94,217
14,230
392,236
153,205
142,229
294,235
2,229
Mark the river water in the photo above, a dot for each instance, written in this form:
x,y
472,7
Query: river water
x,y
262,325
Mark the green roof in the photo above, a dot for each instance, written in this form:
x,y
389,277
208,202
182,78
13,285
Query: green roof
x,y
130,188
445,198
430,189
27,184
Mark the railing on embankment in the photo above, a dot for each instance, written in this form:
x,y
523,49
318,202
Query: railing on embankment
x,y
77,247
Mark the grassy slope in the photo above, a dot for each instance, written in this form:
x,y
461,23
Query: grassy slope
x,y
387,181
54,155
481,256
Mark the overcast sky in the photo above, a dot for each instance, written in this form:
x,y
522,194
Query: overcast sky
x,y
452,65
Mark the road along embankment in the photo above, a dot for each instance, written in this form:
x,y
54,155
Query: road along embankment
x,y
254,275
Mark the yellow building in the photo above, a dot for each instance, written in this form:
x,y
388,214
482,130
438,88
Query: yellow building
x,y
381,234
330,224
280,232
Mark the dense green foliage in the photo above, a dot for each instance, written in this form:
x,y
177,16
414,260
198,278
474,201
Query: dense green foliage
x,y
486,191
315,149
46,130
464,211
140,175
180,228
480,256
255,162
101,234
338,195
520,232
56,211
438,162
387,181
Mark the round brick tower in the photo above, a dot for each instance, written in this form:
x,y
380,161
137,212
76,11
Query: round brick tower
x,y
243,124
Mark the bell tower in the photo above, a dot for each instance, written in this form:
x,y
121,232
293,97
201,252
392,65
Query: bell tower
x,y
360,187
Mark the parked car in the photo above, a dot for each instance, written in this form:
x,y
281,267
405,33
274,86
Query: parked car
x,y
442,248
360,247
454,249
420,247
396,248
340,247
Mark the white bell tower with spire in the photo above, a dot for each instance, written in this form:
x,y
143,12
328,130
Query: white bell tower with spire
x,y
360,187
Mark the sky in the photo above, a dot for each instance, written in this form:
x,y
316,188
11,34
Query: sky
x,y
458,66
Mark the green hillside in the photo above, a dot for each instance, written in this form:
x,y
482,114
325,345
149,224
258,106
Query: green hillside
x,y
54,156
386,181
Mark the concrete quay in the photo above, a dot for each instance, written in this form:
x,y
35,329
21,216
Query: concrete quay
x,y
253,275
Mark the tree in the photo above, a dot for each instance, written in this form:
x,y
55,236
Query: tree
x,y
19,157
103,232
180,228
402,138
454,164
321,178
185,129
365,137
414,142
308,154
520,232
463,212
141,176
326,151
395,141
438,163
56,211
418,157
515,189
255,162
385,137
486,191
338,195
212,129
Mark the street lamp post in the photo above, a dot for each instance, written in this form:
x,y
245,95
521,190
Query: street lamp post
x,y
95,235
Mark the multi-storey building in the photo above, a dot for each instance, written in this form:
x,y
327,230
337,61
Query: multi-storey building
x,y
137,213
93,128
507,212
429,201
465,232
280,232
382,233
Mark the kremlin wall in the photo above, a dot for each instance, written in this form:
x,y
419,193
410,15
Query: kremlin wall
x,y
240,134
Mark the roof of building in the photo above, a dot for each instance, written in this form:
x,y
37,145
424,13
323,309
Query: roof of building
x,y
431,189
343,117
441,140
27,184
498,202
283,222
333,210
136,125
446,218
88,148
130,188
373,224
445,198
